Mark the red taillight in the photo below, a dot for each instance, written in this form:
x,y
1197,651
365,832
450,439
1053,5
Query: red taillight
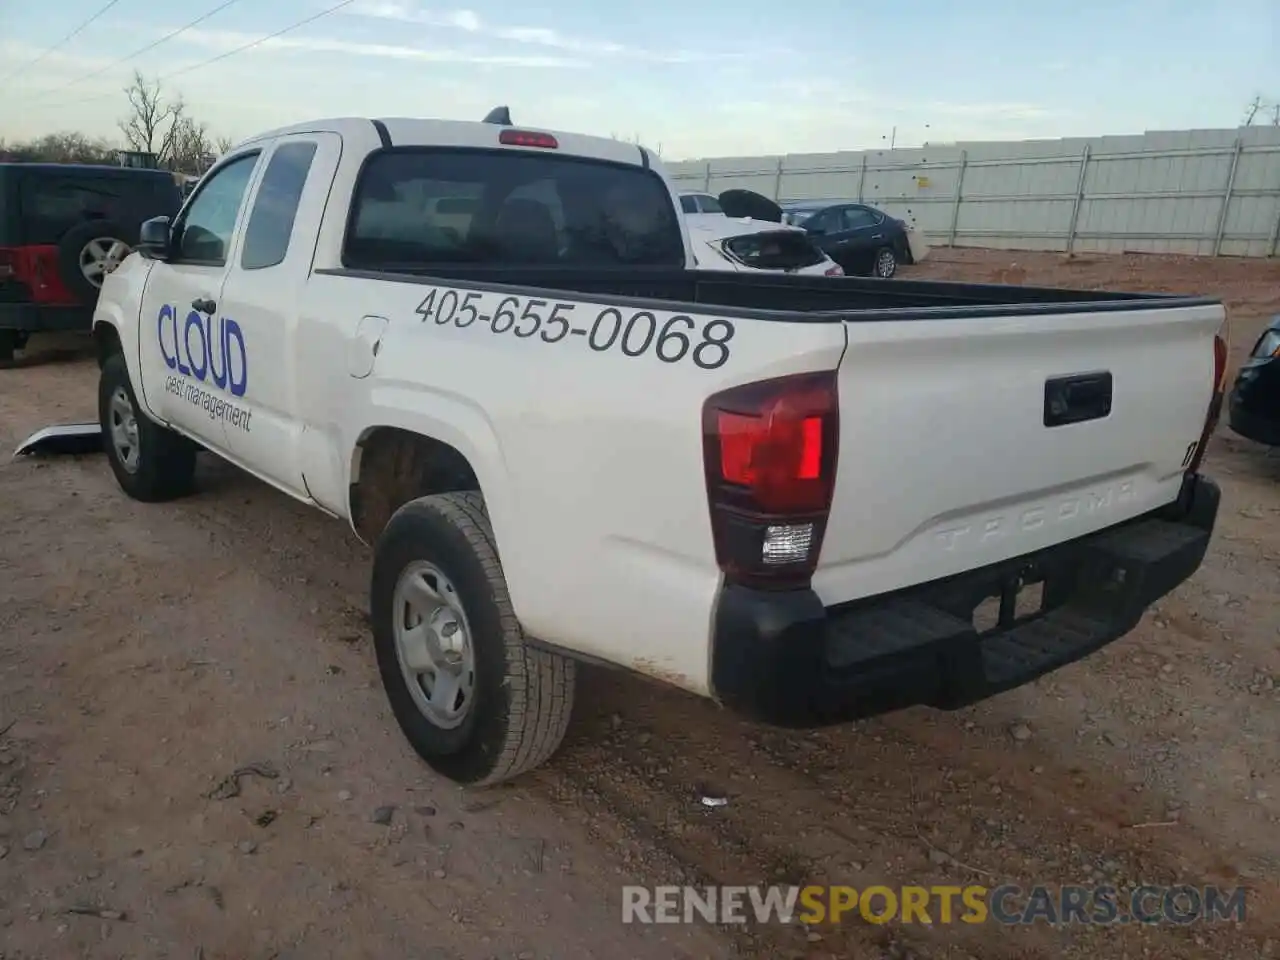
x,y
769,450
36,268
1219,361
527,138
836,271
1215,401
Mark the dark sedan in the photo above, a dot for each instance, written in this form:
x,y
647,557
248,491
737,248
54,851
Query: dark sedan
x,y
1254,405
863,240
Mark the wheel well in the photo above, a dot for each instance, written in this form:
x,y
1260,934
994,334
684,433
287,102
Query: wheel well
x,y
395,466
106,341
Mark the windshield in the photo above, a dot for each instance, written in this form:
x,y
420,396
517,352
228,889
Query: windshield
x,y
419,207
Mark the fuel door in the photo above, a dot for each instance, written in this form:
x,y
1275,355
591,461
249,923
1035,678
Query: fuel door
x,y
362,351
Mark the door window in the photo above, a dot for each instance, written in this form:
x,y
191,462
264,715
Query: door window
x,y
266,238
204,235
828,221
858,218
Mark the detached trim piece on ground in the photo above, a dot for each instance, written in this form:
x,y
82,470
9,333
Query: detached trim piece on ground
x,y
67,439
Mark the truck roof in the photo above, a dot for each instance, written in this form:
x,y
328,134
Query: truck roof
x,y
417,131
86,169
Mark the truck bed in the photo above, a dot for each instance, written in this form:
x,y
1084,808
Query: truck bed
x,y
786,298
1031,417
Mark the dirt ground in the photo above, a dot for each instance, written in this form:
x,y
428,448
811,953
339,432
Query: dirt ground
x,y
147,653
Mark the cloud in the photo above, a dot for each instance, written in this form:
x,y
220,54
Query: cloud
x,y
16,54
797,114
469,21
227,40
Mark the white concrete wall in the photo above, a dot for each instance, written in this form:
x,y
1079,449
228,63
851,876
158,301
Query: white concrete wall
x,y
1194,191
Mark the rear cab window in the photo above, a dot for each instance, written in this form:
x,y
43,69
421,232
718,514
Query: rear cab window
x,y
417,206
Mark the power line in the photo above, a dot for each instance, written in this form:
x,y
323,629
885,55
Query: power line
x,y
137,53
222,56
261,40
70,36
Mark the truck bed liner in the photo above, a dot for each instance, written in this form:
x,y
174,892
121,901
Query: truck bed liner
x,y
782,298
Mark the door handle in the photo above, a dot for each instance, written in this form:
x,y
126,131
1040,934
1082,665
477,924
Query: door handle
x,y
204,305
877,236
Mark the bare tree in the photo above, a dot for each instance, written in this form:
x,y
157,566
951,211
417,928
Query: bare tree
x,y
1261,112
158,124
154,121
191,150
60,148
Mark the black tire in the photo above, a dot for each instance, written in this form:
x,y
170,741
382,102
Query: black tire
x,y
523,696
74,241
9,343
889,259
166,461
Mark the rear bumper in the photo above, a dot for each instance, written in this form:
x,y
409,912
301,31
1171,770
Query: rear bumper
x,y
782,658
37,318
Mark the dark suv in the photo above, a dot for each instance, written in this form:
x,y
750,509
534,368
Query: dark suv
x,y
63,227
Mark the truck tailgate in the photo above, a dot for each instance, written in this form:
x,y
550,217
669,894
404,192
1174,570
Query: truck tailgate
x,y
945,459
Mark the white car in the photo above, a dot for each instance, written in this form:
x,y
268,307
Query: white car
x,y
566,445
740,243
743,230
700,203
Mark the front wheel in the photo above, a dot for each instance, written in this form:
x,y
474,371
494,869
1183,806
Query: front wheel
x,y
151,463
886,264
476,701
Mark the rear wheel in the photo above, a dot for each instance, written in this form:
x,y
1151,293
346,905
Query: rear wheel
x,y
886,263
10,341
150,462
473,698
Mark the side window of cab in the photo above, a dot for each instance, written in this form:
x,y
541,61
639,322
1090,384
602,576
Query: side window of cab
x,y
204,230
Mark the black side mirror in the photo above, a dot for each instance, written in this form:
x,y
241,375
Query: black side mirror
x,y
155,238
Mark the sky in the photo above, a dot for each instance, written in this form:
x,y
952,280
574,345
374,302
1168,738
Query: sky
x,y
709,79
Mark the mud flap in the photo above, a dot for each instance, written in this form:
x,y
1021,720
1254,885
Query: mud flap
x,y
66,439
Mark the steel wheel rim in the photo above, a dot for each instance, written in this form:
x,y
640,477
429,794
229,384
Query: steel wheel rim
x,y
122,422
434,645
885,263
100,256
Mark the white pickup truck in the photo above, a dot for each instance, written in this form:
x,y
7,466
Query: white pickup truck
x,y
487,348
